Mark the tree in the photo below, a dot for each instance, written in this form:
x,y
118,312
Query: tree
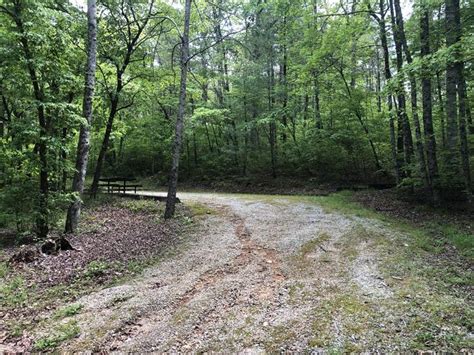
x,y
426,90
184,61
127,27
413,94
82,155
38,89
452,157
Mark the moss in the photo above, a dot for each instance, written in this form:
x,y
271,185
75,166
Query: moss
x,y
199,209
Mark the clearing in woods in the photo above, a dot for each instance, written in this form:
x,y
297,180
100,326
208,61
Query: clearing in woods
x,y
274,273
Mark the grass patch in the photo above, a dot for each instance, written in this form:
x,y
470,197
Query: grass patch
x,y
462,241
3,269
68,311
349,314
341,202
431,237
424,263
13,293
60,334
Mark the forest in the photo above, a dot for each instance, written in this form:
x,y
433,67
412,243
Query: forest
x,y
361,107
348,92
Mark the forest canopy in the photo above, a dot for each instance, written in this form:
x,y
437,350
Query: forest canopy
x,y
358,91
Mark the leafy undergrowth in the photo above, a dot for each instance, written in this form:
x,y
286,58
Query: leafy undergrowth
x,y
116,240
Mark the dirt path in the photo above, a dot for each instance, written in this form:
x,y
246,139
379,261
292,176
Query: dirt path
x,y
258,274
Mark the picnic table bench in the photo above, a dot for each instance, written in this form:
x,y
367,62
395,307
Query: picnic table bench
x,y
119,184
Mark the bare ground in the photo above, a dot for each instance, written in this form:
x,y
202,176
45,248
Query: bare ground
x,y
269,273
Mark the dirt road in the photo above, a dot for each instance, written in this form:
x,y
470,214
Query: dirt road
x,y
263,274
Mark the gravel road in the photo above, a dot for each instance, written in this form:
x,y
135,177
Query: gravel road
x,y
258,274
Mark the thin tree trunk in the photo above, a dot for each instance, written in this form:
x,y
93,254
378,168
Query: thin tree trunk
x,y
462,124
173,179
209,143
284,83
246,138
378,85
316,104
105,144
64,177
441,110
82,157
272,125
195,152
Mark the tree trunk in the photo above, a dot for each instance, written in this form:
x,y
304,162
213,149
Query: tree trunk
x,y
173,179
452,161
272,134
403,123
316,104
430,139
82,156
441,110
378,84
105,144
388,76
462,124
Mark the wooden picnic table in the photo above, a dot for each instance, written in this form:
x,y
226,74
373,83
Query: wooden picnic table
x,y
120,183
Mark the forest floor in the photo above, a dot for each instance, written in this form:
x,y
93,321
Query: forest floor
x,y
258,273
